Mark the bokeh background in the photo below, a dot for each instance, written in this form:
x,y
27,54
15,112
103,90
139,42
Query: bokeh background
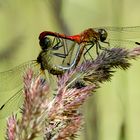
x,y
113,113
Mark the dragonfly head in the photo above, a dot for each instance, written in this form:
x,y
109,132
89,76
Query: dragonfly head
x,y
102,34
45,43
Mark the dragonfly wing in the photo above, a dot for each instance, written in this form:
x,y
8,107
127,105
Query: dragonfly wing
x,y
12,78
120,43
122,32
12,104
11,85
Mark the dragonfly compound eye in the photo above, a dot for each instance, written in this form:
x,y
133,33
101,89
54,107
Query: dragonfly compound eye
x,y
103,34
45,43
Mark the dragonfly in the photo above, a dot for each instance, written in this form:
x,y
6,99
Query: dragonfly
x,y
101,38
11,84
73,47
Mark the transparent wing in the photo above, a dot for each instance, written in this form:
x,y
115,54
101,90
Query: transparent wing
x,y
12,104
12,78
11,86
120,43
123,32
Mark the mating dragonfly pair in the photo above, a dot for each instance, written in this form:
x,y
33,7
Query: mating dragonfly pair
x,y
69,50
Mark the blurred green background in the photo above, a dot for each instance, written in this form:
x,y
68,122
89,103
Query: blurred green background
x,y
113,113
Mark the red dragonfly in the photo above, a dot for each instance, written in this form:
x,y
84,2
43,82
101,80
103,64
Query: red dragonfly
x,y
98,37
69,49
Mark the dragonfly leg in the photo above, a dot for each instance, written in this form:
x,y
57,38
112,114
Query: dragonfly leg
x,y
57,46
87,51
107,43
60,43
60,55
100,47
137,43
64,44
103,48
2,107
97,46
